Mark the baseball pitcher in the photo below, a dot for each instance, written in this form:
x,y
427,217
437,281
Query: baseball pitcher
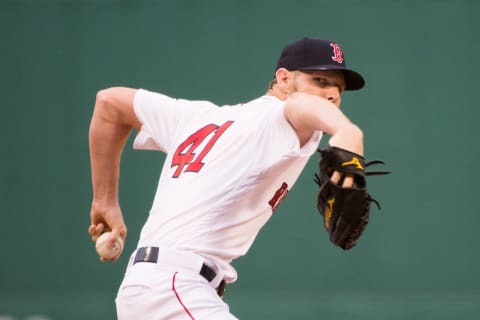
x,y
226,171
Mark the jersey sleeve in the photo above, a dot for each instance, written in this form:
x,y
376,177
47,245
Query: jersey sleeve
x,y
161,117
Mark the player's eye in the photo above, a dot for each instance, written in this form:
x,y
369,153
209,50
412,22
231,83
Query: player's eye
x,y
322,82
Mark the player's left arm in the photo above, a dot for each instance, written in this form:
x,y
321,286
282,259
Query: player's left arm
x,y
112,121
307,113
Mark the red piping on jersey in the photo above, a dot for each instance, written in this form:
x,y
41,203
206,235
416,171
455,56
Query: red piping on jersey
x,y
178,297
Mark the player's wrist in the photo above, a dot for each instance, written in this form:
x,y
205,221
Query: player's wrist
x,y
349,138
104,204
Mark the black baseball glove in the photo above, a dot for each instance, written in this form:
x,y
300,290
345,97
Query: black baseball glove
x,y
345,210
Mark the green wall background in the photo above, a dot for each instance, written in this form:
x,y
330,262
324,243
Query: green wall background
x,y
419,257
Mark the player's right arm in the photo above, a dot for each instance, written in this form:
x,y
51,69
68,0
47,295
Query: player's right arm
x,y
112,121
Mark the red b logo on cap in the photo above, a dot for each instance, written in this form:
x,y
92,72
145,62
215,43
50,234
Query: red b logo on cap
x,y
337,53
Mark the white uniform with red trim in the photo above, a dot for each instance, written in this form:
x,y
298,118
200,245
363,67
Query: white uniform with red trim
x,y
226,170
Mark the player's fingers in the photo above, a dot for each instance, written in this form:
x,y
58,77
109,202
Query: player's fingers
x,y
348,181
336,176
92,229
91,232
99,228
96,230
117,233
119,229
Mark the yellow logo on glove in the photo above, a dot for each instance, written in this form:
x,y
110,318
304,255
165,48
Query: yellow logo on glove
x,y
354,162
328,212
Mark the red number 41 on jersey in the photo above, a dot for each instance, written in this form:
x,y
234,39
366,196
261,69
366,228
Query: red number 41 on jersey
x,y
185,157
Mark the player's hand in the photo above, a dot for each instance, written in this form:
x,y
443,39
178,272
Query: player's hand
x,y
106,218
347,180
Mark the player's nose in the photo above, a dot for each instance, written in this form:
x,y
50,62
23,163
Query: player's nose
x,y
333,95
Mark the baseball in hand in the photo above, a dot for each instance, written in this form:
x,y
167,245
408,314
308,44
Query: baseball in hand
x,y
106,248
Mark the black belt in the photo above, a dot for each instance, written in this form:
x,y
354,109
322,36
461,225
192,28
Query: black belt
x,y
150,254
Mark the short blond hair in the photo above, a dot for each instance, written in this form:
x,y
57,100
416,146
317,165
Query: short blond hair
x,y
272,83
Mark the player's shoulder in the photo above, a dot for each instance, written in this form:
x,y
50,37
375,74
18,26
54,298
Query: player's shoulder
x,y
260,111
260,104
159,98
266,101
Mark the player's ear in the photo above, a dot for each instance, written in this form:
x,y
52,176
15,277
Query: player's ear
x,y
283,76
284,79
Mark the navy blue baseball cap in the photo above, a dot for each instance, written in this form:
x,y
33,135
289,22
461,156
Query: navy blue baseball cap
x,y
317,54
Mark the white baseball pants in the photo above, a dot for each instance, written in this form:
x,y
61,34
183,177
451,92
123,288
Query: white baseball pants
x,y
171,289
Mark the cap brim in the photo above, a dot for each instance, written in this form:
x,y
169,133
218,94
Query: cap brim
x,y
353,79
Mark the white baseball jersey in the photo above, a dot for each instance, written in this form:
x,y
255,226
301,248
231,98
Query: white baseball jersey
x,y
226,171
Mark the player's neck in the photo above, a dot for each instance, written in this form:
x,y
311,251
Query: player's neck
x,y
276,92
